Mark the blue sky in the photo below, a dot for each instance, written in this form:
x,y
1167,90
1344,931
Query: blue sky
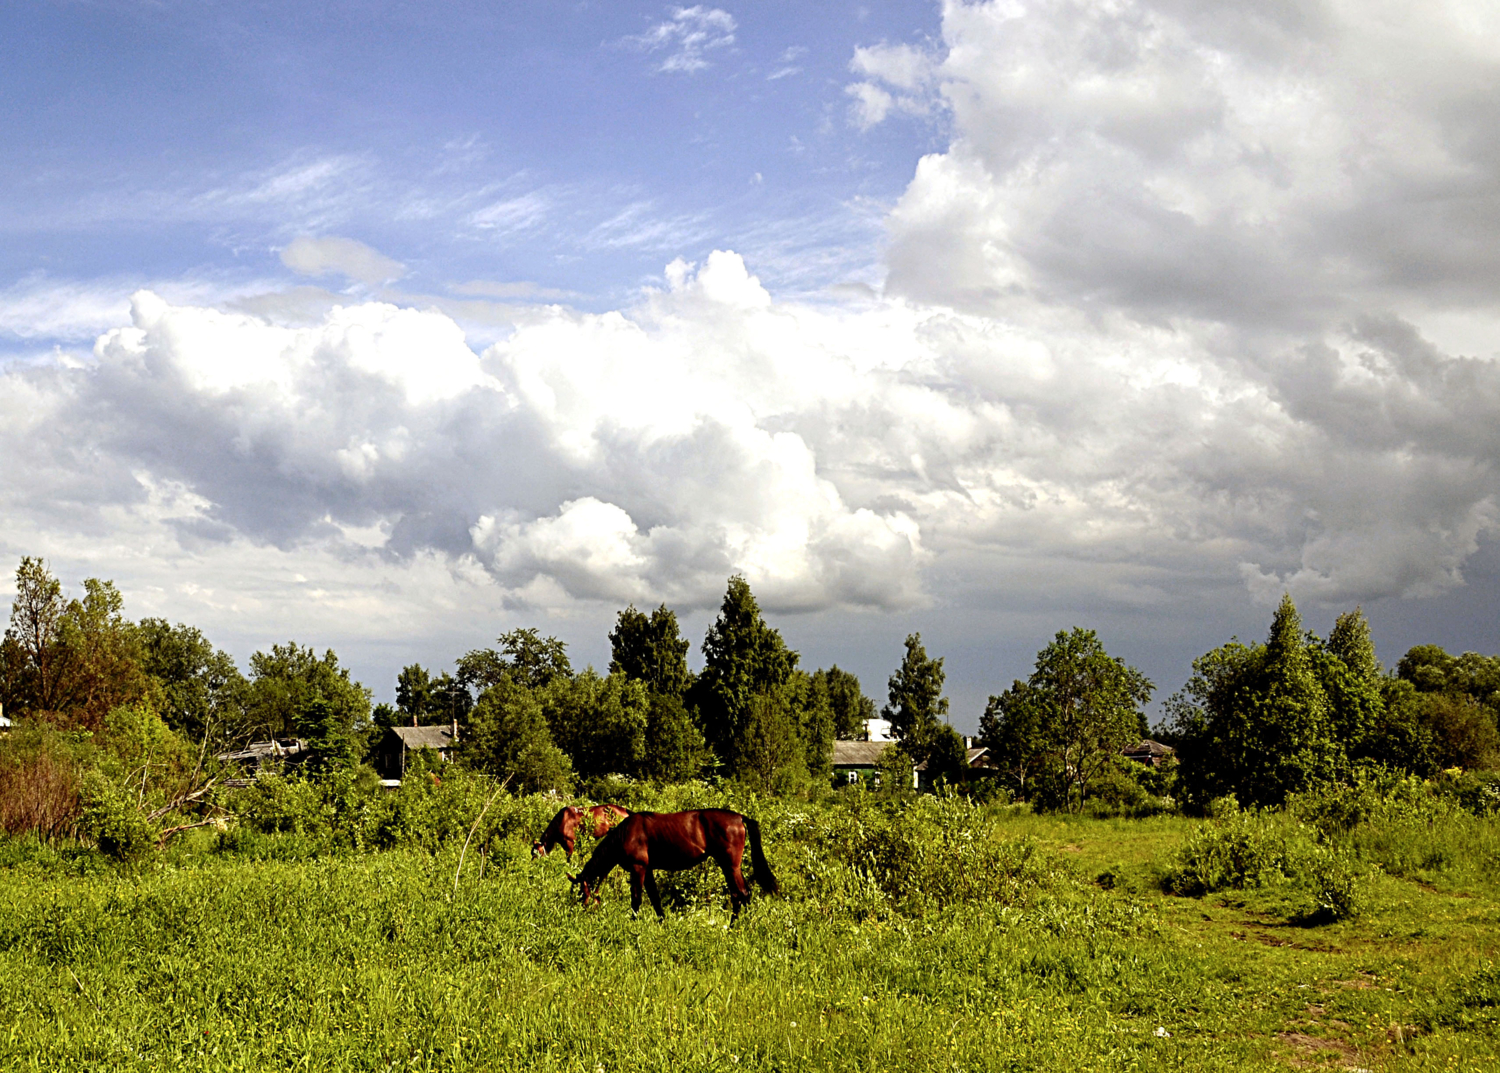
x,y
574,146
389,327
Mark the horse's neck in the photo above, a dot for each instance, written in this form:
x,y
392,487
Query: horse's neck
x,y
599,865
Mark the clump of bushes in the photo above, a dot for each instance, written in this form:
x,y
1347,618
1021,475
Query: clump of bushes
x,y
1242,849
1128,788
114,820
932,853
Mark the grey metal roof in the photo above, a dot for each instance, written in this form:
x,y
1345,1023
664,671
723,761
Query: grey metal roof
x,y
438,737
858,753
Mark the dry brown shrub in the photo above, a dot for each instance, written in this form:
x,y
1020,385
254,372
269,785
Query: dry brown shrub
x,y
39,794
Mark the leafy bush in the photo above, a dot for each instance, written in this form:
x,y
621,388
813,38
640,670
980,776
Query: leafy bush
x,y
1474,791
1407,826
276,803
113,820
1243,850
933,853
1127,788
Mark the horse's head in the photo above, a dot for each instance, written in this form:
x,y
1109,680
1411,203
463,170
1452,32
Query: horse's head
x,y
538,849
587,887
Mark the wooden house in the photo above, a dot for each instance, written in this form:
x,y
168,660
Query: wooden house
x,y
398,743
857,761
1148,752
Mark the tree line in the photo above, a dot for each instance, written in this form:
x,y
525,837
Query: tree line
x,y
1259,721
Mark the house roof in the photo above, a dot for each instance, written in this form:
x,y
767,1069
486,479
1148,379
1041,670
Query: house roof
x,y
437,737
970,755
1147,747
858,753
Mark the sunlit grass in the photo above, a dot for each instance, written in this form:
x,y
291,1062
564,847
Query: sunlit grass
x,y
373,962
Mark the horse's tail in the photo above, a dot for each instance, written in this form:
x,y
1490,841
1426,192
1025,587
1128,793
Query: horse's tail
x,y
763,876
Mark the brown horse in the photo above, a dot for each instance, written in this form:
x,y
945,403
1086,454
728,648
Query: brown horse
x,y
563,830
647,841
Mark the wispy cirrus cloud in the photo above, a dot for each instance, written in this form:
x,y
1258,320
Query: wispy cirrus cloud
x,y
687,38
640,225
788,63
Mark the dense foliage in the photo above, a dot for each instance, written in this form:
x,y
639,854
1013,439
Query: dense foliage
x,y
1262,723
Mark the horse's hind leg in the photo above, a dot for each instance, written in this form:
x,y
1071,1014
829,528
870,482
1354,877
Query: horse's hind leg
x,y
655,896
739,890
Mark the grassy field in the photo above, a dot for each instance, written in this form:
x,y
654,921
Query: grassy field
x,y
941,937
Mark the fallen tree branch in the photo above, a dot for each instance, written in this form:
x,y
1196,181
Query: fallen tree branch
x,y
178,802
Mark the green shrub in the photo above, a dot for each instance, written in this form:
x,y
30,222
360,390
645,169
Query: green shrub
x,y
276,803
1409,827
112,819
1474,791
1127,788
1244,850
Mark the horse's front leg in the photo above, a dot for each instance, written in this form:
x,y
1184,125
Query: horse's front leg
x,y
638,876
655,897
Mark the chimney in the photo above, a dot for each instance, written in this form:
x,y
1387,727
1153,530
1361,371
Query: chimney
x,y
455,730
414,720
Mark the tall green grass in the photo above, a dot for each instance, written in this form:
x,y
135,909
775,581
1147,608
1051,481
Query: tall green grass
x,y
926,935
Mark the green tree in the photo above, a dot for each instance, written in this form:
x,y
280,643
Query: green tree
x,y
1089,707
675,749
331,740
1461,731
916,705
812,699
1400,737
852,710
770,754
744,659
103,669
1432,670
1255,721
601,723
449,700
36,661
524,656
284,681
894,769
414,692
650,650
947,757
509,737
203,691
1015,730
1351,678
69,660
